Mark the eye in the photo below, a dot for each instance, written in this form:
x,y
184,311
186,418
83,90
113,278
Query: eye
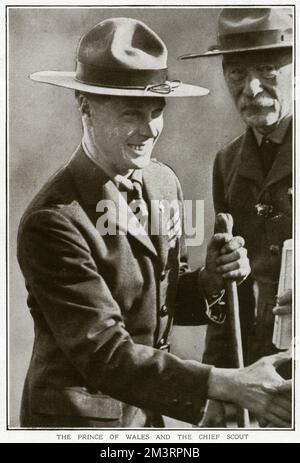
x,y
267,71
236,74
131,113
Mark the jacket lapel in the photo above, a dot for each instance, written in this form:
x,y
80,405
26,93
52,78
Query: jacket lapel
x,y
246,177
125,219
159,194
283,163
250,166
94,185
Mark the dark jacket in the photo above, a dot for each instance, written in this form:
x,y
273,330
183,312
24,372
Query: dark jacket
x,y
239,187
103,306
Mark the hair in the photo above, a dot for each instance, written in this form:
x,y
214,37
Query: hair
x,y
92,96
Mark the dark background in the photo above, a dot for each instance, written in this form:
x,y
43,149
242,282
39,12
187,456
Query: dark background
x,y
44,130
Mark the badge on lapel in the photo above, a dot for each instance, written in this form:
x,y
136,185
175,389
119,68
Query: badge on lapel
x,y
173,229
264,210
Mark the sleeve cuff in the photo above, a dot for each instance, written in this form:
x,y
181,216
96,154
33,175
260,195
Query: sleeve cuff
x,y
215,309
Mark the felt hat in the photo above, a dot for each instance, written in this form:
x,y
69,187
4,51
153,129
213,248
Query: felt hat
x,y
123,57
250,29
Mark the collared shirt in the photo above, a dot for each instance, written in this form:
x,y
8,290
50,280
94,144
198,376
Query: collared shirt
x,y
277,135
215,306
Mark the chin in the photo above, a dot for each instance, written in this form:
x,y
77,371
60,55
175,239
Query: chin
x,y
262,121
140,163
136,161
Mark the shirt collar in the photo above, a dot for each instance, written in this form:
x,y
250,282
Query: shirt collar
x,y
277,135
136,176
121,181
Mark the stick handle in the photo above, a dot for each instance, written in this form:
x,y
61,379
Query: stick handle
x,y
224,223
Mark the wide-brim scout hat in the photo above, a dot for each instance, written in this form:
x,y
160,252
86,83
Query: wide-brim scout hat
x,y
123,57
250,29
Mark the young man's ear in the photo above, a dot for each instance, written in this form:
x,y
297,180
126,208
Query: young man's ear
x,y
223,65
84,105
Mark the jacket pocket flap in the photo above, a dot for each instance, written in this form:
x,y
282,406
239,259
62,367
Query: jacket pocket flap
x,y
75,402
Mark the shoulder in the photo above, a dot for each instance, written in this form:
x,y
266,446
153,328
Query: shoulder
x,y
50,233
233,146
162,181
228,155
159,168
54,199
56,192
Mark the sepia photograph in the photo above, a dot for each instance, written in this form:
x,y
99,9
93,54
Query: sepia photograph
x,y
150,172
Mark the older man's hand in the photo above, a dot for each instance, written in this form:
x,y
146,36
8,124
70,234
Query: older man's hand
x,y
276,406
282,397
226,259
258,388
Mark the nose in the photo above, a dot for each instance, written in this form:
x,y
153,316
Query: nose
x,y
252,85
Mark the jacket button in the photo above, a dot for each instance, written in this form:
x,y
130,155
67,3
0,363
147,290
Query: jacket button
x,y
163,310
162,276
274,250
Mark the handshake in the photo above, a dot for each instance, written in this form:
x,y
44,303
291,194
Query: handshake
x,y
258,388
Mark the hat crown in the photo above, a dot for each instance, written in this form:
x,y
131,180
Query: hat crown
x,y
251,29
121,57
122,43
244,20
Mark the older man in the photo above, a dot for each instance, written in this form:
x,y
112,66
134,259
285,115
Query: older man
x,y
102,291
253,174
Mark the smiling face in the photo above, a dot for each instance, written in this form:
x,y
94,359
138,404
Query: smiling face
x,y
124,130
261,86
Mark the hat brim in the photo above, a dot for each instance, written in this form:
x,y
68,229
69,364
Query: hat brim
x,y
67,80
217,52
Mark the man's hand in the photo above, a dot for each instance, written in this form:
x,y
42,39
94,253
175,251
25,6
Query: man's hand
x,y
226,259
286,396
284,303
258,388
214,415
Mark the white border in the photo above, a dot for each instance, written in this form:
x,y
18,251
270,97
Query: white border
x,y
119,435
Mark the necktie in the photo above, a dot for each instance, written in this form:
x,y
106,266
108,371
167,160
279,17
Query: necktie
x,y
137,203
268,151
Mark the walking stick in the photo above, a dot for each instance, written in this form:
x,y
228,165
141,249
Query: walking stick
x,y
224,224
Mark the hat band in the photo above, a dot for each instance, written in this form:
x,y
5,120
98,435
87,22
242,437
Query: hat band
x,y
102,76
256,39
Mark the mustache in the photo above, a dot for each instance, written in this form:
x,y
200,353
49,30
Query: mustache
x,y
256,103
